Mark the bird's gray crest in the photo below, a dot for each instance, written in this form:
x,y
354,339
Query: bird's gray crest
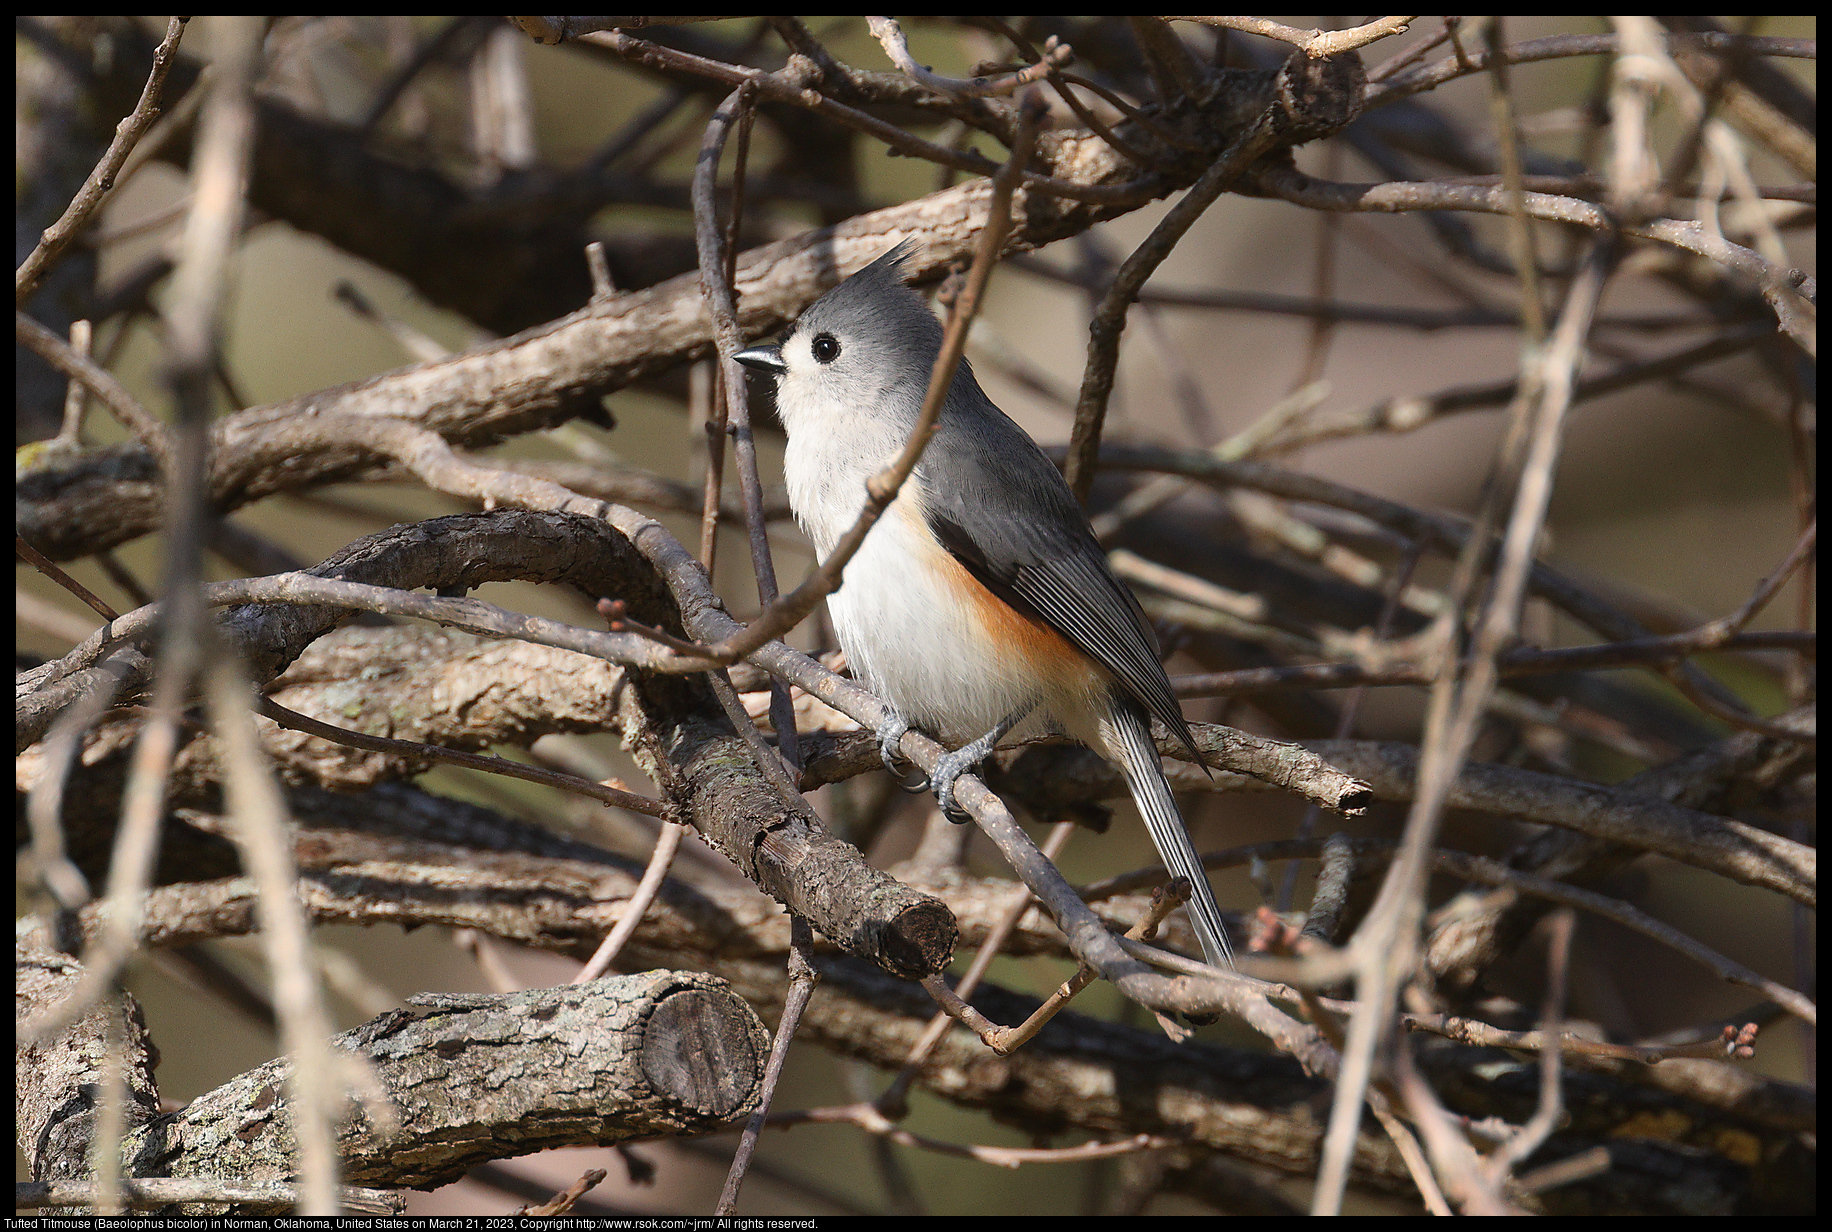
x,y
889,263
876,304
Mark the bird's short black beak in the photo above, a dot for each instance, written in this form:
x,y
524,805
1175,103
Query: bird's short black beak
x,y
763,359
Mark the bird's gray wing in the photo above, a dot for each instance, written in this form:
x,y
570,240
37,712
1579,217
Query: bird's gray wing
x,y
1001,509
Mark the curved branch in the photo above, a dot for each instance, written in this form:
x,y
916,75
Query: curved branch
x,y
1790,292
1562,46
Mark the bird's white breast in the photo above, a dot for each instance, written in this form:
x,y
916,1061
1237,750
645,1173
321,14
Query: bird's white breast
x,y
917,629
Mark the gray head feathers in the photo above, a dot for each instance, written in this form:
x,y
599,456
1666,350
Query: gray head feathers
x,y
873,309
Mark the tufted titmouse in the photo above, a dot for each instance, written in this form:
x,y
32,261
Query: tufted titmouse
x,y
980,600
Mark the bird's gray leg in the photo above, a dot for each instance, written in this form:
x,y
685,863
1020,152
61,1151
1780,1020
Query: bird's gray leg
x,y
953,765
889,737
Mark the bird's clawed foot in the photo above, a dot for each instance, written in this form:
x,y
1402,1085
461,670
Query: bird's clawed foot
x,y
949,769
889,737
948,772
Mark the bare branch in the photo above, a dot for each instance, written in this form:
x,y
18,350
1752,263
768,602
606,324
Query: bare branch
x,y
1332,92
1565,45
1317,44
1789,292
59,235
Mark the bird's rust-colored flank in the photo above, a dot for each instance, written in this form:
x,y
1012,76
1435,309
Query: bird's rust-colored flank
x,y
1047,656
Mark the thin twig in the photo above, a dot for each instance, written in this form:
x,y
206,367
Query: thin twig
x,y
717,265
76,394
316,1079
1324,927
894,1102
666,844
1562,46
1135,113
563,1202
1682,164
708,411
1472,868
1438,532
33,612
1278,937
866,1116
798,38
1545,1117
415,750
1455,1162
1520,661
1385,945
640,126
1063,91
135,848
778,88
39,561
1522,245
1410,412
1345,313
111,1112
50,860
423,56
1164,900
769,762
1323,282
603,288
58,236
1410,1152
1407,59
1720,632
1481,1035
1242,444
494,970
1317,44
1110,317
1173,75
890,36
617,620
802,979
1784,289
1737,716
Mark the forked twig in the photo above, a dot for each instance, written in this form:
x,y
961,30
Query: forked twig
x,y
890,36
1164,900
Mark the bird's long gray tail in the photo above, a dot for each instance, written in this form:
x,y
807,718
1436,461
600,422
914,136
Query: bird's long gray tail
x,y
1145,777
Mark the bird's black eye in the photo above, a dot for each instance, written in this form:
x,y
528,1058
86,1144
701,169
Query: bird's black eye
x,y
826,348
